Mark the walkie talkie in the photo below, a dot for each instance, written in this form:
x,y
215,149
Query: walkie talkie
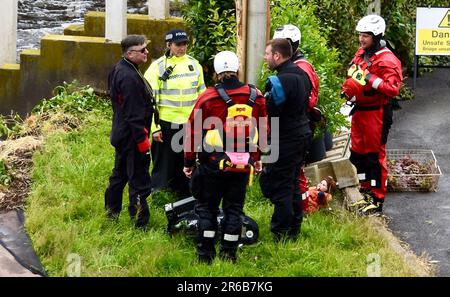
x,y
167,73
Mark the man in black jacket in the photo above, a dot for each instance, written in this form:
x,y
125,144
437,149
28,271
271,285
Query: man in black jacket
x,y
133,110
287,99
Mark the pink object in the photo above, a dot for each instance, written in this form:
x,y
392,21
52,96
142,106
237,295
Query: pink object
x,y
238,158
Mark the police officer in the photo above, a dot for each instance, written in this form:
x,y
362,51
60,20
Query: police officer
x,y
289,92
210,182
374,77
177,80
133,110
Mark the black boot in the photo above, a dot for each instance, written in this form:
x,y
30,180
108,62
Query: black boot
x,y
139,212
375,207
228,254
206,250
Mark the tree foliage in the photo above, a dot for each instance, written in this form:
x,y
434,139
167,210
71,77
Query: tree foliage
x,y
213,27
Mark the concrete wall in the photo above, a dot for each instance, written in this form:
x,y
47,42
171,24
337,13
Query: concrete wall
x,y
82,54
61,58
94,25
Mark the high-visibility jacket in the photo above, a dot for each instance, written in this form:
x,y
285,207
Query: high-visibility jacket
x,y
176,96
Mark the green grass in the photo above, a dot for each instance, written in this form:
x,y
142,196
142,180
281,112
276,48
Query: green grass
x,y
65,215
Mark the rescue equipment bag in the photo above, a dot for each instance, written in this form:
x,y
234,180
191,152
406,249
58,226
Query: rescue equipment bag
x,y
181,217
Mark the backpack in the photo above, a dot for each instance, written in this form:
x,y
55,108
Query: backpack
x,y
239,136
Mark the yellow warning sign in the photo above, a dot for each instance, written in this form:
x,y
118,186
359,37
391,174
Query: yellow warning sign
x,y
445,23
433,42
433,31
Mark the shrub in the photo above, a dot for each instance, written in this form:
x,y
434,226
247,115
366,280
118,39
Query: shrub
x,y
314,45
73,99
213,27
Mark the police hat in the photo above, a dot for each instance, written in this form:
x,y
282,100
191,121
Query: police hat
x,y
176,35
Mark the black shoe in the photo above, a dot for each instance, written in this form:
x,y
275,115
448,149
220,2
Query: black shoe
x,y
228,256
140,227
205,259
372,209
113,216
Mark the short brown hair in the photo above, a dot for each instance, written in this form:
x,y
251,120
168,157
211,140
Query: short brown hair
x,y
132,40
331,184
281,46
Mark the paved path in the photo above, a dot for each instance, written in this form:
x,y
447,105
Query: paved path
x,y
423,219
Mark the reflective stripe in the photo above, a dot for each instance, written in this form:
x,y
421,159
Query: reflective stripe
x,y
376,83
177,92
202,87
304,195
230,237
177,103
209,234
189,91
170,92
161,67
188,103
361,176
181,75
382,51
373,183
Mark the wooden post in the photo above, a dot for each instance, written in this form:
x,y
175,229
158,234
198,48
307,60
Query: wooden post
x,y
116,20
8,32
268,22
374,8
158,9
256,35
241,20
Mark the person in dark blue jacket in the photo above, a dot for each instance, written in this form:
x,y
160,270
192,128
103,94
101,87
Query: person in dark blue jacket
x,y
287,99
133,110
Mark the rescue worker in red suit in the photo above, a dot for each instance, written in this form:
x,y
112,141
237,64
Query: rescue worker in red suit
x,y
293,35
210,183
374,78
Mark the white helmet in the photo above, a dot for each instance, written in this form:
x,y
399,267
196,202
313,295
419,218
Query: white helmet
x,y
288,31
372,23
226,61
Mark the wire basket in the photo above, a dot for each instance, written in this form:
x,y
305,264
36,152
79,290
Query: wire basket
x,y
412,170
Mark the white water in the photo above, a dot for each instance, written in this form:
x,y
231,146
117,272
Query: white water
x,y
37,18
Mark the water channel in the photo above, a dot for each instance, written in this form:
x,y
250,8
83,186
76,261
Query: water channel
x,y
37,18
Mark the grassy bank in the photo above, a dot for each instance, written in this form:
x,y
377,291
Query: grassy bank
x,y
65,216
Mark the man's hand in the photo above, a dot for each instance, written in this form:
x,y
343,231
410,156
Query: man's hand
x,y
188,171
351,89
258,166
157,136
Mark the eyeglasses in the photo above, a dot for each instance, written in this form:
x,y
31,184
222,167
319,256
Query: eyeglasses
x,y
142,50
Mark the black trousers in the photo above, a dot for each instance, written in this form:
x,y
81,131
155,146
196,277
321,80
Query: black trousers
x,y
279,183
211,186
130,167
167,172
